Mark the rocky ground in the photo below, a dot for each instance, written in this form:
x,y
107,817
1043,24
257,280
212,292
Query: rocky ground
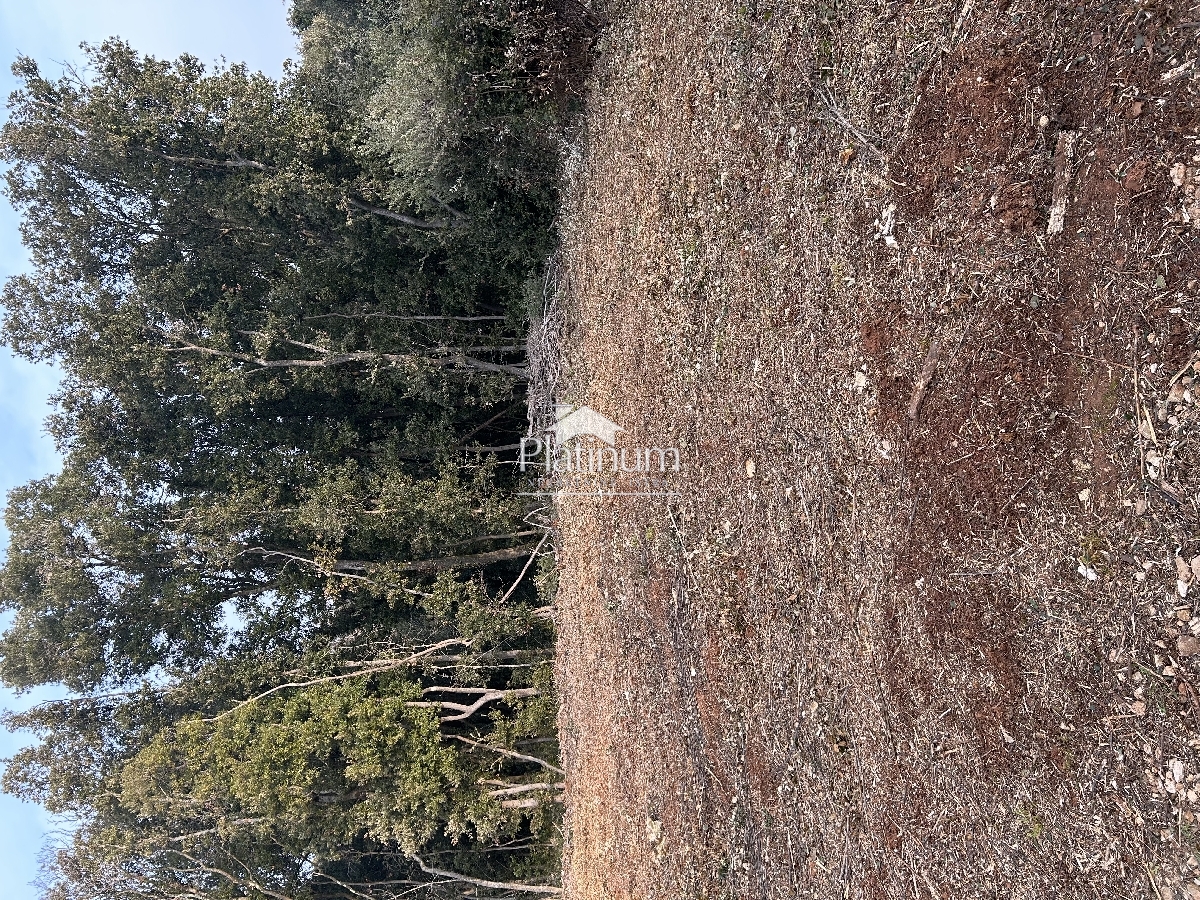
x,y
913,289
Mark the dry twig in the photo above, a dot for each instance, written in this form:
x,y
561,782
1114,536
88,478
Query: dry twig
x,y
926,376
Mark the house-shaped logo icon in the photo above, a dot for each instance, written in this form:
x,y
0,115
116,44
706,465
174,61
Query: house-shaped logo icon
x,y
575,422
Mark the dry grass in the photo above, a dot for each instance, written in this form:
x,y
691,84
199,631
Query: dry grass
x,y
929,644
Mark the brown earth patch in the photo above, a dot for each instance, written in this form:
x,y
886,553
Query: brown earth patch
x,y
863,653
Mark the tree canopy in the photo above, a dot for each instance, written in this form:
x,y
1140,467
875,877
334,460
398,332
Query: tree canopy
x,y
297,601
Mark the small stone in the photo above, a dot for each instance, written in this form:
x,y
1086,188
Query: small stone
x,y
1183,615
1187,645
750,468
1138,707
653,830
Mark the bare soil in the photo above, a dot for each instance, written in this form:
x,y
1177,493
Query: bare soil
x,y
917,621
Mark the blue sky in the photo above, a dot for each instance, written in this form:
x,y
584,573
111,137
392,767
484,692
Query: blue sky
x,y
250,31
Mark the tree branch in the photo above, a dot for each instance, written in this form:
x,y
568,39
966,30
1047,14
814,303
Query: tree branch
x,y
236,163
525,788
504,751
837,117
466,711
528,563
477,560
480,882
399,217
458,214
329,358
233,879
399,318
389,666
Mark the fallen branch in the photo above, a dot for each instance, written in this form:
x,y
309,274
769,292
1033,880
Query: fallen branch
x,y
926,376
1064,157
837,117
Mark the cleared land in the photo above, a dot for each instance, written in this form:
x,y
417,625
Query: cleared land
x,y
919,622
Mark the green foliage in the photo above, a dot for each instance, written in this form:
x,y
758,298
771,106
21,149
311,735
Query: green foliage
x,y
271,568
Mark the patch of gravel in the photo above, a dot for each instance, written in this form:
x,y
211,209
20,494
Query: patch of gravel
x,y
918,622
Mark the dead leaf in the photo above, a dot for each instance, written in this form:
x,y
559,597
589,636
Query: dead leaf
x,y
1135,108
1183,568
1195,566
750,468
1187,645
847,154
1138,707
